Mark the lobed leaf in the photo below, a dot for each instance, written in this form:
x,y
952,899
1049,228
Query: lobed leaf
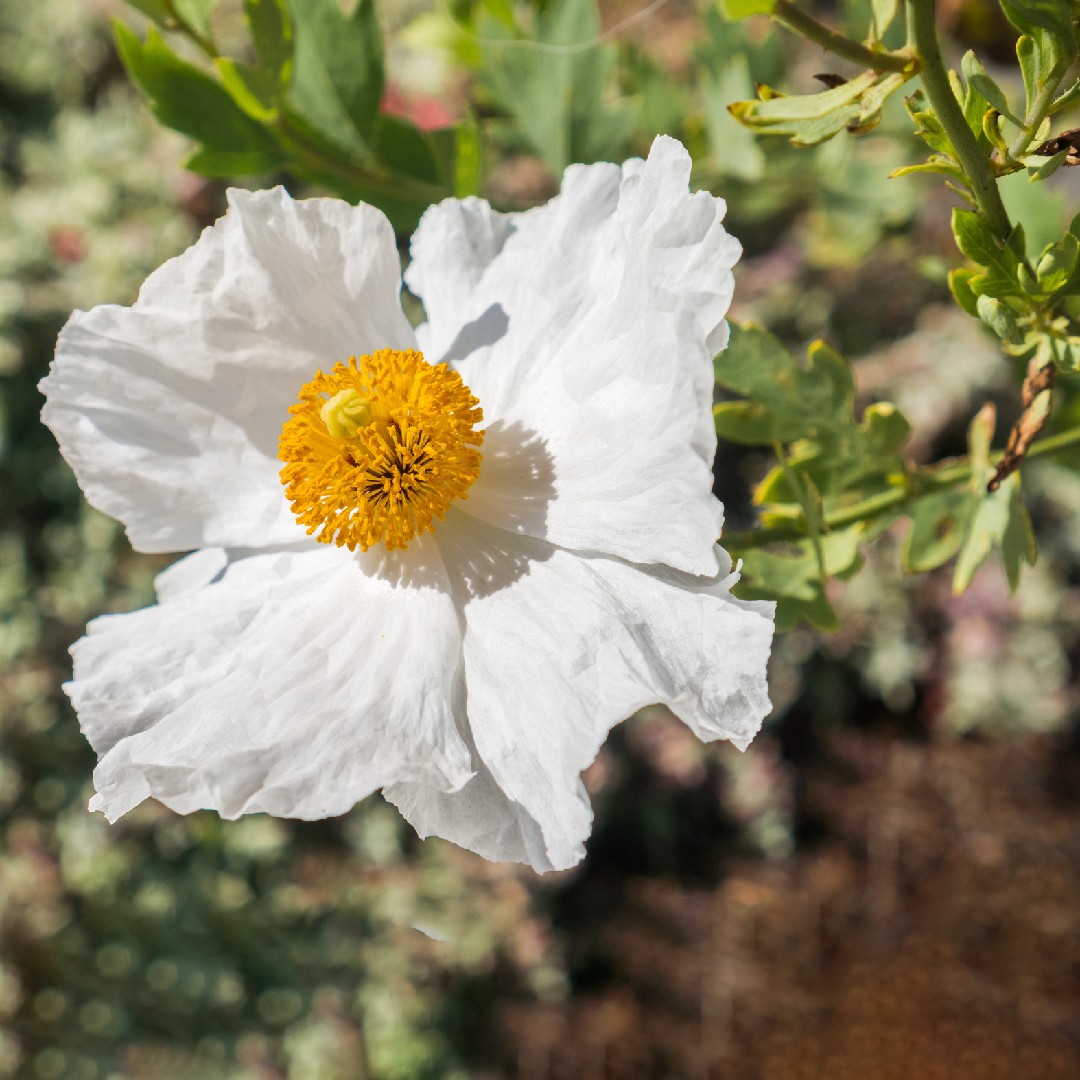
x,y
188,100
809,119
1000,261
337,72
786,400
939,523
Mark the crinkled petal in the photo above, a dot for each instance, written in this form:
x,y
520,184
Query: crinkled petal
x,y
592,325
291,683
453,246
558,649
170,411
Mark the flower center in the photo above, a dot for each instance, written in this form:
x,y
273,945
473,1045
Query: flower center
x,y
378,448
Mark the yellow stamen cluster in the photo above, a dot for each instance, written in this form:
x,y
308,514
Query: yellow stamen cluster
x,y
379,448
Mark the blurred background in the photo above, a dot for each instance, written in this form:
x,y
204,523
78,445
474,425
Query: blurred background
x,y
886,885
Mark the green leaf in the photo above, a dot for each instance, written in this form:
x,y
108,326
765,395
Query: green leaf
x,y
786,401
1055,18
224,164
743,9
337,72
999,318
960,284
972,104
1031,66
557,98
935,164
939,523
1018,544
1067,97
1057,264
1065,349
882,13
810,119
468,167
793,577
256,90
196,14
158,11
998,519
811,407
732,146
1048,167
793,581
402,147
188,100
979,80
271,33
976,240
927,125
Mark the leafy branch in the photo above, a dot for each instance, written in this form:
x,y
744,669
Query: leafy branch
x,y
308,104
959,508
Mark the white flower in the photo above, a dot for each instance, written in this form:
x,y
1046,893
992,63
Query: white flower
x,y
554,568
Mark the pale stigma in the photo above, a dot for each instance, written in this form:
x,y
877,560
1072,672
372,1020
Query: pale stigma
x,y
345,413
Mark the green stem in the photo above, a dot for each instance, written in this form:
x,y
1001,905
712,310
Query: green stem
x,y
946,475
1038,111
786,13
798,21
187,29
935,80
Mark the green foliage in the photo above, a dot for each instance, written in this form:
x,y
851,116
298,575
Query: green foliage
x,y
734,145
555,90
883,12
188,100
337,78
1050,26
830,462
308,104
743,9
796,576
854,106
993,520
1016,298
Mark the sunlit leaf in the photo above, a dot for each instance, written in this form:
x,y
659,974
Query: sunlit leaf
x,y
188,100
733,146
810,119
556,93
337,71
939,523
743,9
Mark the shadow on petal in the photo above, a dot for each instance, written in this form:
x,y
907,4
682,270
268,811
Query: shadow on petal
x,y
482,332
490,549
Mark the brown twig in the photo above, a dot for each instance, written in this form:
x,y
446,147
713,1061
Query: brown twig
x,y
1037,392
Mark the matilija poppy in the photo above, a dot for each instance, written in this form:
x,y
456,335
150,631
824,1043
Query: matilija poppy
x,y
442,563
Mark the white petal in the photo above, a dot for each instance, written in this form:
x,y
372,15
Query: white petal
x,y
478,817
295,684
170,411
451,248
193,571
559,649
590,331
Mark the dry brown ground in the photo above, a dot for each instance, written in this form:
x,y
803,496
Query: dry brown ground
x,y
935,935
